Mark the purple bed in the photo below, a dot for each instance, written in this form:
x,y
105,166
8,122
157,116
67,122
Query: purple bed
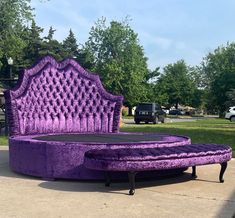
x,y
57,112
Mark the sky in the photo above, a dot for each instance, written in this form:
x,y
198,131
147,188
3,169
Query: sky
x,y
168,30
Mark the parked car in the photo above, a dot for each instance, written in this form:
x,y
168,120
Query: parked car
x,y
230,114
175,112
166,110
149,112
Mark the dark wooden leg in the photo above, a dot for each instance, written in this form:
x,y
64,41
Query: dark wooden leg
x,y
194,175
223,168
107,178
131,176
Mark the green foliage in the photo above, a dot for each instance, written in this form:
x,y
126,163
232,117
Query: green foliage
x,y
231,98
119,59
197,76
175,86
70,46
124,111
86,58
219,70
153,75
71,49
3,140
33,47
51,46
151,94
14,15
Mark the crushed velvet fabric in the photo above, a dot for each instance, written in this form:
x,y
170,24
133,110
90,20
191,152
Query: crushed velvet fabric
x,y
62,98
64,159
140,159
54,97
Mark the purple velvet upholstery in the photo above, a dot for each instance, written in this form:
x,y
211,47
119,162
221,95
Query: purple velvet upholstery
x,y
140,159
61,97
64,159
55,98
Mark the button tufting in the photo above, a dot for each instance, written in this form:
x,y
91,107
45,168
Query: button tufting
x,y
90,96
67,82
105,109
65,94
86,88
71,89
54,81
83,95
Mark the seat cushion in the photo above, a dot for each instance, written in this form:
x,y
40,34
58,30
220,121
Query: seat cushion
x,y
145,154
143,159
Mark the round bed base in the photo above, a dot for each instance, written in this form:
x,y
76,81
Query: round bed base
x,y
55,156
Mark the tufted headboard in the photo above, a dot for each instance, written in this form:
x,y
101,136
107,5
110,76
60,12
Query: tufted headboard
x,y
54,97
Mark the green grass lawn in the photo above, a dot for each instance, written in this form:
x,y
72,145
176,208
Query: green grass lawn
x,y
3,140
219,131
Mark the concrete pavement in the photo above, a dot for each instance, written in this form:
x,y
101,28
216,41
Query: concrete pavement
x,y
26,197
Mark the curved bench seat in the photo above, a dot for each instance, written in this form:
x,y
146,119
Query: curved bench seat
x,y
139,159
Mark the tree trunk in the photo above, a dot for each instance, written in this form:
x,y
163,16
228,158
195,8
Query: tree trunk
x,y
176,105
130,111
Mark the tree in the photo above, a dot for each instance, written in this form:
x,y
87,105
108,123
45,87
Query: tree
x,y
197,76
119,59
219,70
174,85
153,75
70,45
153,92
51,46
33,47
14,15
231,98
86,58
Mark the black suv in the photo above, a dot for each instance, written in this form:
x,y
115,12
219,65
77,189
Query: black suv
x,y
149,112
